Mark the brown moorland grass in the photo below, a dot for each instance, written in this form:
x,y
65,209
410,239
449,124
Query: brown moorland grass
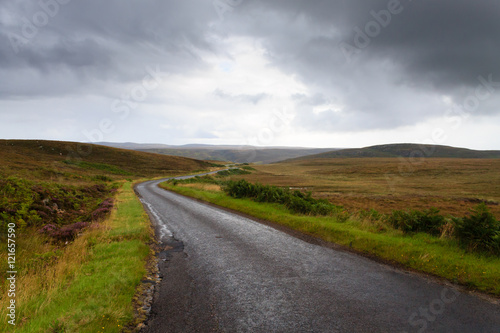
x,y
452,185
59,161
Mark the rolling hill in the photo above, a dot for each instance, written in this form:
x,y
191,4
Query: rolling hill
x,y
233,153
40,159
405,150
248,155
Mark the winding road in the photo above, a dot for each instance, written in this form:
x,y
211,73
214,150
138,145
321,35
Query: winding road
x,y
222,272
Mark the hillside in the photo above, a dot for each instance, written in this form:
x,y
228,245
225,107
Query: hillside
x,y
406,150
38,159
244,155
233,153
79,232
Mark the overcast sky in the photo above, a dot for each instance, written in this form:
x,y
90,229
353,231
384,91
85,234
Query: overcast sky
x,y
311,73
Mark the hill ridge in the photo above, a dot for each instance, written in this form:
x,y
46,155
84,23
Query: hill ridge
x,y
38,156
409,150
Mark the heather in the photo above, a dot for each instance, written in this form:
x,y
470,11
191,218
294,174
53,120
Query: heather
x,y
57,210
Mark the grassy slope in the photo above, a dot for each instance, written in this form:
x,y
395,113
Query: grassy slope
x,y
90,284
406,150
87,284
52,159
442,258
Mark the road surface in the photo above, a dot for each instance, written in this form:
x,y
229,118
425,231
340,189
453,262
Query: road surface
x,y
222,272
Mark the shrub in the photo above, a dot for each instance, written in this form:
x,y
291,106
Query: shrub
x,y
65,233
48,229
371,214
296,201
428,221
95,190
479,231
204,179
102,210
102,178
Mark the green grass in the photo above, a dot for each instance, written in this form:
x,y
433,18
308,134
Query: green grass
x,y
231,172
99,166
421,252
98,277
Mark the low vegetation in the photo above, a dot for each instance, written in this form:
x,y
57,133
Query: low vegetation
x,y
428,221
295,201
87,284
32,204
98,166
71,162
454,186
479,231
81,235
461,249
231,172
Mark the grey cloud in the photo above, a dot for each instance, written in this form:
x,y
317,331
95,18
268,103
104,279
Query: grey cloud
x,y
431,50
95,41
246,98
315,100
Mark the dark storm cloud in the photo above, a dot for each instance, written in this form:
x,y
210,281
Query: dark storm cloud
x,y
376,64
398,64
434,44
447,43
107,41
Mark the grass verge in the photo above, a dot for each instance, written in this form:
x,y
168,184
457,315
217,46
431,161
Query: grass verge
x,y
421,252
87,286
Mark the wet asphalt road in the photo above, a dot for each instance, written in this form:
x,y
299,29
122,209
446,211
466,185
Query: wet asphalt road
x,y
226,273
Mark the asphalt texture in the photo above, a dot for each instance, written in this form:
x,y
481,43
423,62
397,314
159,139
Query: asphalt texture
x,y
222,272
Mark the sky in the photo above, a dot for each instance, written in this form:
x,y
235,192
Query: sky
x,y
312,73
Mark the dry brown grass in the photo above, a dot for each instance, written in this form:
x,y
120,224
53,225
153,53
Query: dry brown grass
x,y
452,185
204,187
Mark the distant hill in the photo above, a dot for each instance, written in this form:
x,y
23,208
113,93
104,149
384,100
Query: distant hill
x,y
39,158
133,145
406,150
245,155
233,153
